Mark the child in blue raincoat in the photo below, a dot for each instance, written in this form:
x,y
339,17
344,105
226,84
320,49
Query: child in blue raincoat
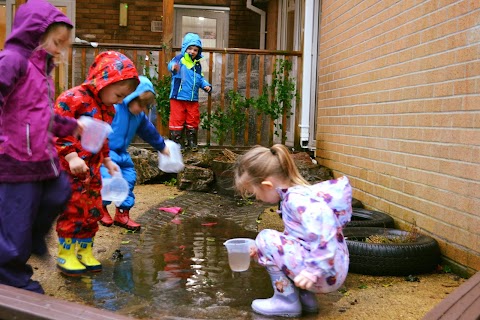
x,y
187,79
130,119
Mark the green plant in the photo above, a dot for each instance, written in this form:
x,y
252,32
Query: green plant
x,y
172,182
161,84
231,119
277,98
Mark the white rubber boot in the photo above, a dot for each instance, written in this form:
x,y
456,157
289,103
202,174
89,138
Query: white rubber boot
x,y
309,301
285,301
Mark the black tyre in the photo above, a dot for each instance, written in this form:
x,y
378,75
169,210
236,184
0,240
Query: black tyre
x,y
357,203
369,218
420,256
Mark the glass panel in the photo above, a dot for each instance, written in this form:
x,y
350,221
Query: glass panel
x,y
206,28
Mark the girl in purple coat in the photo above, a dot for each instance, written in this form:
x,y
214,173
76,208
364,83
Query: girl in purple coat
x,y
310,256
33,189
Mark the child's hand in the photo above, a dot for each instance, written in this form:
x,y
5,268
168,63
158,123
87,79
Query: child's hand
x,y
111,166
305,280
175,67
77,165
165,151
79,130
253,252
207,88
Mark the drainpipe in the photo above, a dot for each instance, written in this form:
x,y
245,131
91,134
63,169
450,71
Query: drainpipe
x,y
307,74
250,6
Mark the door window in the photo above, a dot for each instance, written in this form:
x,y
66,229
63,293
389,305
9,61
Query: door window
x,y
66,6
211,24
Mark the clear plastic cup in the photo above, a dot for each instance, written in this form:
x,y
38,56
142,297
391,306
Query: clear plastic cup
x,y
174,162
239,253
114,189
94,133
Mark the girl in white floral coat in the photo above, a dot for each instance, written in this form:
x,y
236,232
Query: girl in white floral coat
x,y
310,256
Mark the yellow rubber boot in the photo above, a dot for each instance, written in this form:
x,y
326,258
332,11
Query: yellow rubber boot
x,y
85,255
67,260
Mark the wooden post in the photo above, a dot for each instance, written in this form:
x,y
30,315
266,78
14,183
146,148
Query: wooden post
x,y
19,2
167,27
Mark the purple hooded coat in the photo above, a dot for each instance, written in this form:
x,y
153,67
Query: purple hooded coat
x,y
27,95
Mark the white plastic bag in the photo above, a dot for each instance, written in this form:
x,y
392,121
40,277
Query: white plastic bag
x,y
172,163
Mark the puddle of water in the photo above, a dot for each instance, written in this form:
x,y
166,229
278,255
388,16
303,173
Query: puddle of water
x,y
178,271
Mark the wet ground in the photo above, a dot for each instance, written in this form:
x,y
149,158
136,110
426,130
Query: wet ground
x,y
180,271
180,268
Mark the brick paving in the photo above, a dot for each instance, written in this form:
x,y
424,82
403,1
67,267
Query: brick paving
x,y
200,204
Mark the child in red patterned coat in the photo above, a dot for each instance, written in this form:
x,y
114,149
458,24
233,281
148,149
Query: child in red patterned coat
x,y
111,77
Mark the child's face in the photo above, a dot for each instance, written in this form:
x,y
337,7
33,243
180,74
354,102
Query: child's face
x,y
115,93
192,51
57,40
141,103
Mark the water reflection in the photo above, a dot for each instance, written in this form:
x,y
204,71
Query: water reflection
x,y
178,270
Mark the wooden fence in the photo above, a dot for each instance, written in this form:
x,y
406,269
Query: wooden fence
x,y
246,71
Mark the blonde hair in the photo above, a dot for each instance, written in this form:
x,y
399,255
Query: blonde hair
x,y
47,38
260,162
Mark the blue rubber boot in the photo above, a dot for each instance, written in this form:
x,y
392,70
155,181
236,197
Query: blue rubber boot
x,y
285,301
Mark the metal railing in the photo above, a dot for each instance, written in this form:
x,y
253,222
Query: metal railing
x,y
246,71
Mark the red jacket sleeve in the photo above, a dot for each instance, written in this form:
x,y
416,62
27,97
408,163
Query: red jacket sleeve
x,y
67,105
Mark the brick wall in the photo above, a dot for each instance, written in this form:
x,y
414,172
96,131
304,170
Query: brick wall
x,y
98,21
399,113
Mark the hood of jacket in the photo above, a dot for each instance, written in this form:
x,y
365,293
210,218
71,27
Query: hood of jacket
x,y
192,39
109,67
144,86
31,21
125,124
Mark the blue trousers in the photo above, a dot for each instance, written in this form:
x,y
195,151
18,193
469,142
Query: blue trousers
x,y
27,212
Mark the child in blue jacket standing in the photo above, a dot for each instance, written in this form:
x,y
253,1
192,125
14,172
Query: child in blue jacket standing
x,y
187,79
130,119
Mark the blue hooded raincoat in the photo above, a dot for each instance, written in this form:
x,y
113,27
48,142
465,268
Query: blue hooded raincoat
x,y
125,126
189,79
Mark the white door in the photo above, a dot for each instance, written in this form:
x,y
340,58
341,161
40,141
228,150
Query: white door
x,y
210,23
68,8
292,19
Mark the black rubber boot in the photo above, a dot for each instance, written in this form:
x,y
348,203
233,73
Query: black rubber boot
x,y
177,136
192,139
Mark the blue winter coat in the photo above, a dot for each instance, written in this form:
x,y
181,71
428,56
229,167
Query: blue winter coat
x,y
189,78
125,126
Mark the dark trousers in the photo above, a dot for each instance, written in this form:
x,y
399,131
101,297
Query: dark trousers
x,y
27,212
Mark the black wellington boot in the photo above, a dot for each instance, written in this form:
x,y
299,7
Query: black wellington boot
x,y
192,139
177,136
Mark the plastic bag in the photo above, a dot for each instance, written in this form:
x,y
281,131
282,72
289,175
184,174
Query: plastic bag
x,y
172,163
